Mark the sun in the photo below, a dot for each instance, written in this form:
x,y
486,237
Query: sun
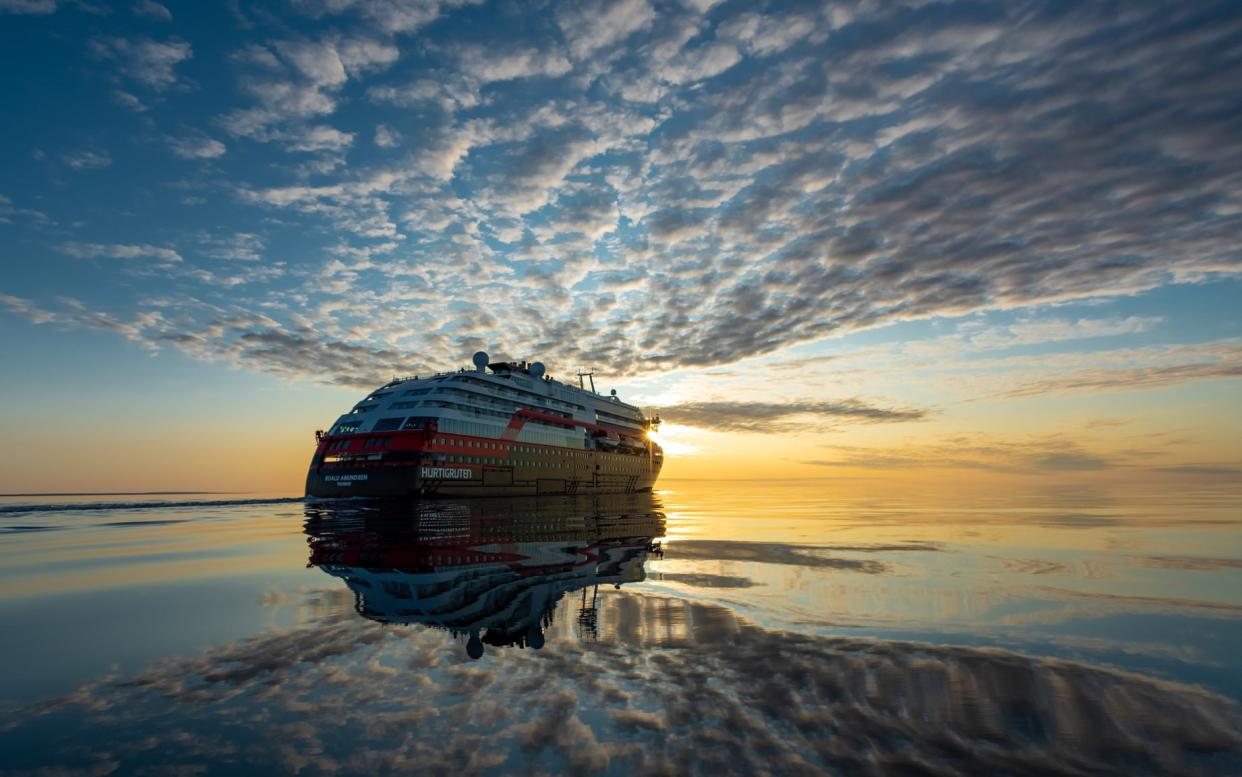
x,y
674,439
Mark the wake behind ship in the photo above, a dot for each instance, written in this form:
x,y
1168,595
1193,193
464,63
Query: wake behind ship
x,y
503,429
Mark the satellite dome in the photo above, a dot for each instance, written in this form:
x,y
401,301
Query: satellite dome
x,y
480,360
536,370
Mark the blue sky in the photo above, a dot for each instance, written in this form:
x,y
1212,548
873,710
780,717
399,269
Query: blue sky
x,y
322,193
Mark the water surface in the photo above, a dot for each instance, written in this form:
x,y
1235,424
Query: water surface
x,y
799,627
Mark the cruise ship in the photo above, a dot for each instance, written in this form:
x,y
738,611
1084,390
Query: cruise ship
x,y
500,429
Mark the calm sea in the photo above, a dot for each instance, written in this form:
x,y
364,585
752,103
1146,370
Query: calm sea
x,y
714,627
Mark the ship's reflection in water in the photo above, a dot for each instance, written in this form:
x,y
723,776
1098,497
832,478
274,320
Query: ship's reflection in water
x,y
490,571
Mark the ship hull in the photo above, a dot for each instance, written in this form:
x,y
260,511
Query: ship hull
x,y
553,474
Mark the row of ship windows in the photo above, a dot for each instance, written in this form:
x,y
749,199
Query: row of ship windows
x,y
540,464
478,411
527,396
370,442
506,407
538,398
447,458
513,448
533,432
507,391
461,427
384,442
479,397
468,409
450,425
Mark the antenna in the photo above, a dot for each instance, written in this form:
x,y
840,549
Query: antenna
x,y
590,374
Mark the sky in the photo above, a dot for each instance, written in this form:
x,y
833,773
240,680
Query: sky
x,y
855,241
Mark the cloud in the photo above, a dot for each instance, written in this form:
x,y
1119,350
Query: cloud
x,y
87,159
594,24
237,247
700,62
387,137
252,342
451,92
770,417
1052,330
151,63
28,6
9,212
1211,470
363,55
592,212
24,308
196,147
1030,455
321,138
296,80
152,10
763,35
488,64
119,251
128,100
1214,362
392,16
74,315
744,180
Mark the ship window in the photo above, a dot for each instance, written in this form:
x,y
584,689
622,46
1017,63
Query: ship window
x,y
364,408
388,424
349,427
403,405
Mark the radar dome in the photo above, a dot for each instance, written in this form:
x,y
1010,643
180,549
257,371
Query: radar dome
x,y
480,360
536,370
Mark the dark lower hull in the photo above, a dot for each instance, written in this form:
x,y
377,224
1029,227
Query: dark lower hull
x,y
629,474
